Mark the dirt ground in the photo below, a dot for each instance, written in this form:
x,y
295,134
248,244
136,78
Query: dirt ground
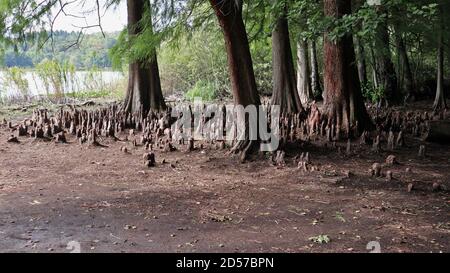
x,y
205,201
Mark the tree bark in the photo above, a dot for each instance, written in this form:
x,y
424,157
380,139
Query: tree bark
x,y
144,85
315,75
303,73
408,82
240,64
440,102
361,59
359,48
344,105
387,78
285,92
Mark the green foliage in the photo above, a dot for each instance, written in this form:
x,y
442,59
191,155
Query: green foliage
x,y
191,53
24,21
92,51
373,94
204,90
307,18
114,91
261,51
200,57
116,53
150,35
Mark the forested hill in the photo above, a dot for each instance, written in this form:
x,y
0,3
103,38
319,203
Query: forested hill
x,y
91,51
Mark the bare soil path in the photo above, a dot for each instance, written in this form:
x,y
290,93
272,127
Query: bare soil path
x,y
204,201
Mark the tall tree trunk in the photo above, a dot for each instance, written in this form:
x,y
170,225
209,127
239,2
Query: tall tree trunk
x,y
361,59
440,101
344,105
374,68
144,85
408,82
315,75
303,72
359,47
240,65
384,66
285,92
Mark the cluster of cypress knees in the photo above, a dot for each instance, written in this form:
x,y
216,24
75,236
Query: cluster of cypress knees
x,y
153,130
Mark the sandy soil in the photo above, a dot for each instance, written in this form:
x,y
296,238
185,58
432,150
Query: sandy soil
x,y
205,201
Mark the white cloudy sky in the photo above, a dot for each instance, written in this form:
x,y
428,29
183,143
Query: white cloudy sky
x,y
114,19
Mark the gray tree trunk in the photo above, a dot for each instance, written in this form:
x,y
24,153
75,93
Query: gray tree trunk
x,y
315,75
439,102
285,92
303,73
408,82
361,59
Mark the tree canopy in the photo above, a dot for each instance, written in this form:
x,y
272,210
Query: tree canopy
x,y
178,27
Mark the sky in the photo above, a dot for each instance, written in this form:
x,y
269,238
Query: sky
x,y
114,19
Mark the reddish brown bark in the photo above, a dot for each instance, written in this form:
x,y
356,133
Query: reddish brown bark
x,y
344,105
240,64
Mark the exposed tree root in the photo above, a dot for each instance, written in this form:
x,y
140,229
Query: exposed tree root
x,y
245,148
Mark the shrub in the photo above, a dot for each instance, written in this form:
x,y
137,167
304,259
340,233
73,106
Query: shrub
x,y
15,79
202,89
373,94
55,76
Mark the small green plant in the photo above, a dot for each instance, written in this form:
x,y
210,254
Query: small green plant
x,y
202,89
373,94
321,239
339,216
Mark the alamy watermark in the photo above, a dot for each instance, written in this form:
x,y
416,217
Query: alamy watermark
x,y
74,247
229,123
374,247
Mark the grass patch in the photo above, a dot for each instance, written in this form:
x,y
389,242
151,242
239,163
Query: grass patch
x,y
103,94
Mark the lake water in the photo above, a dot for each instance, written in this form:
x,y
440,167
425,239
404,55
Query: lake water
x,y
81,81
